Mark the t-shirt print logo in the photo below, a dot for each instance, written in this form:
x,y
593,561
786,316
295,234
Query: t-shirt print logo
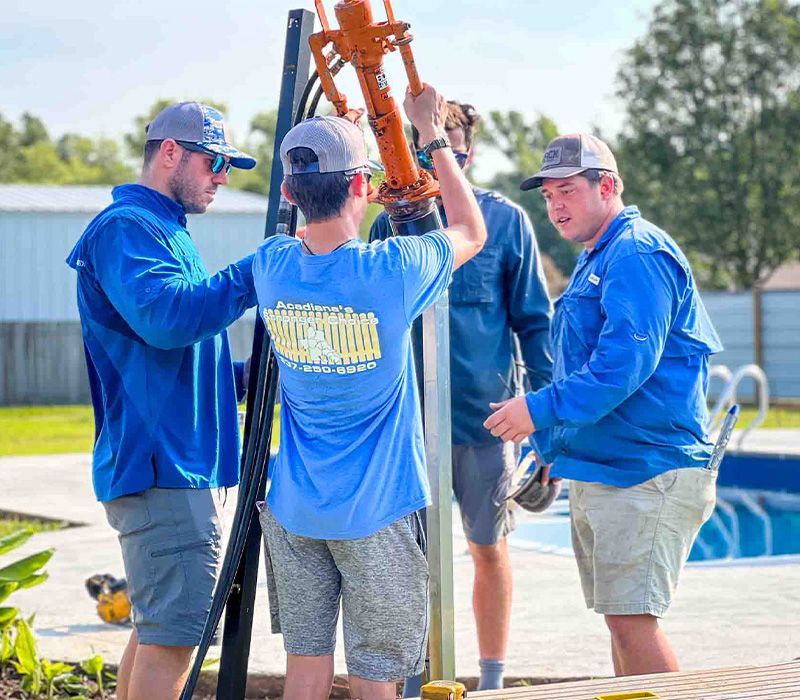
x,y
319,335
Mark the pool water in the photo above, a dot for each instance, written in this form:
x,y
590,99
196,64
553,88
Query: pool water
x,y
746,523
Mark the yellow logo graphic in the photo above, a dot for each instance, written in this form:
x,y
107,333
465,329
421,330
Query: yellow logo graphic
x,y
325,336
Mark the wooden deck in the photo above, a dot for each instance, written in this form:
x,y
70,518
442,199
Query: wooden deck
x,y
779,682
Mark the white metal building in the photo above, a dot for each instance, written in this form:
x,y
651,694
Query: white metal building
x,y
41,353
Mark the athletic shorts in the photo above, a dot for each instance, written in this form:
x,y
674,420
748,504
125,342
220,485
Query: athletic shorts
x,y
171,550
631,543
481,475
381,582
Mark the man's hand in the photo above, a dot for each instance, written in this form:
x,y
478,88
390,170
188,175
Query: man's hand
x,y
354,115
427,112
511,420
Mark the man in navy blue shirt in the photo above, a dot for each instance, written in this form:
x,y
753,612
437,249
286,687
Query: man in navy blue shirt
x,y
625,415
497,299
163,387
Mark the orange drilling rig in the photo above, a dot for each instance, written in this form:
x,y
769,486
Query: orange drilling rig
x,y
407,192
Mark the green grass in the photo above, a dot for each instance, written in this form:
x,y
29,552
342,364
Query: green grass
x,y
32,430
39,430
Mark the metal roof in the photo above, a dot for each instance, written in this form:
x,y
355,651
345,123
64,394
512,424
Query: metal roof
x,y
94,198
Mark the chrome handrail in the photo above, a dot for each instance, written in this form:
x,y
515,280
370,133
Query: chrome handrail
x,y
727,396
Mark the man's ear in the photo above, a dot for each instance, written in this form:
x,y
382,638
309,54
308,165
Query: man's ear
x,y
285,193
169,154
359,186
607,187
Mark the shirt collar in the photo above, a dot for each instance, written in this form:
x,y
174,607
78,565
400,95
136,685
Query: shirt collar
x,y
615,227
150,199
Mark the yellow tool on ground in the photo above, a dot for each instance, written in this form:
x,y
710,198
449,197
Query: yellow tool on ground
x,y
111,594
444,690
631,695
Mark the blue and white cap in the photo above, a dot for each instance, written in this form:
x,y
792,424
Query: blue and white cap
x,y
201,125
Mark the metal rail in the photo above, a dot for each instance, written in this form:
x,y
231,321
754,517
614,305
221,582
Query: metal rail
x,y
727,396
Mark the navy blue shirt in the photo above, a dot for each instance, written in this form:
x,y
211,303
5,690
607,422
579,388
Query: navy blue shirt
x,y
498,294
632,341
160,371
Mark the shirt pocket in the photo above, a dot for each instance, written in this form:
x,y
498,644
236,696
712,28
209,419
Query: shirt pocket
x,y
584,314
478,281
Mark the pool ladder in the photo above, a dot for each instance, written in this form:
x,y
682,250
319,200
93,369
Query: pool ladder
x,y
727,396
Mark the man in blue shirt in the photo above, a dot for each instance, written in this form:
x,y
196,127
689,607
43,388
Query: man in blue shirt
x,y
163,387
625,416
341,522
496,297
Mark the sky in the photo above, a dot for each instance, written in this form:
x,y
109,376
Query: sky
x,y
90,66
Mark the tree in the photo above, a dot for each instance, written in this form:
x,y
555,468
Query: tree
x,y
710,149
260,143
522,143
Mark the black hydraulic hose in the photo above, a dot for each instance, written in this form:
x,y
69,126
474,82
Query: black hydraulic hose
x,y
262,392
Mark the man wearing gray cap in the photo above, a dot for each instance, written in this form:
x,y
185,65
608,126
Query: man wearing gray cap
x,y
625,415
163,387
341,521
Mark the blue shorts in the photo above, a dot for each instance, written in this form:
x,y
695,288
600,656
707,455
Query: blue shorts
x,y
171,548
481,475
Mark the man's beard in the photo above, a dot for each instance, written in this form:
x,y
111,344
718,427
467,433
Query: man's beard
x,y
186,192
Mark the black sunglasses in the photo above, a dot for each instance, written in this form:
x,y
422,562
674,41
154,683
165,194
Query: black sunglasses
x,y
218,162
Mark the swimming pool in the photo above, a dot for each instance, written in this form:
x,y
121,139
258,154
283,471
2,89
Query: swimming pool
x,y
757,514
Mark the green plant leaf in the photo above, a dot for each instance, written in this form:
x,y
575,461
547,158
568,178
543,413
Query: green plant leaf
x,y
34,580
26,567
6,644
7,616
53,669
25,648
93,665
209,663
6,589
15,539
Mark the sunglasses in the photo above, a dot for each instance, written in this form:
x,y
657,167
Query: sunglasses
x,y
217,163
426,161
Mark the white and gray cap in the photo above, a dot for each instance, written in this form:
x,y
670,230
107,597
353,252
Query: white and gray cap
x,y
570,155
200,125
337,142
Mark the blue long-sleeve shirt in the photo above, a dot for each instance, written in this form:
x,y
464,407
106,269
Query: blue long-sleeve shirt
x,y
498,294
162,382
632,341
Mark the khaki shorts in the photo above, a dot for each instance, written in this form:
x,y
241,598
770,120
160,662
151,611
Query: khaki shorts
x,y
631,543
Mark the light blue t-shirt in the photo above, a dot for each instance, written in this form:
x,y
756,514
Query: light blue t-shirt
x,y
352,458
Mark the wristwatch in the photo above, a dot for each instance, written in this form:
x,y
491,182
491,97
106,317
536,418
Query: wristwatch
x,y
440,142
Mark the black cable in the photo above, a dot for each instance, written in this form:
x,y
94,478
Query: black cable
x,y
262,392
312,110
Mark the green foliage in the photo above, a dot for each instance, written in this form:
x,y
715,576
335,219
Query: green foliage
x,y
28,154
260,144
710,149
93,666
522,143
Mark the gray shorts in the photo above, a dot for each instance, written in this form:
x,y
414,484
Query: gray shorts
x,y
171,550
382,582
481,474
631,543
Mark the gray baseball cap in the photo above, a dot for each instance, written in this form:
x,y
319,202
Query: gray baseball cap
x,y
200,125
569,155
337,142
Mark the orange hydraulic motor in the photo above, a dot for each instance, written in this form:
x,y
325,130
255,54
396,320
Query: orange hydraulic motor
x,y
407,192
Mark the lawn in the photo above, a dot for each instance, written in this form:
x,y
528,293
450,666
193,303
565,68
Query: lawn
x,y
32,430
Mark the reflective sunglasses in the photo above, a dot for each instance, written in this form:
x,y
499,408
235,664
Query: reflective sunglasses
x,y
217,163
426,161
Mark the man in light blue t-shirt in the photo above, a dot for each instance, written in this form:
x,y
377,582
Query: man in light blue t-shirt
x,y
341,517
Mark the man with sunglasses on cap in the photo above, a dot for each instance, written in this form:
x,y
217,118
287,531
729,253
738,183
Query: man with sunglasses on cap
x,y
163,387
341,521
497,300
625,416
